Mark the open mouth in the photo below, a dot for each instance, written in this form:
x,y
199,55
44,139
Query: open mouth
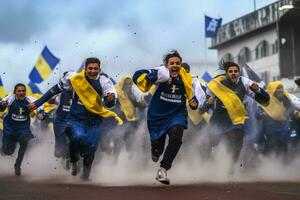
x,y
174,71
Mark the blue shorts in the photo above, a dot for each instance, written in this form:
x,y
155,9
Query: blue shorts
x,y
85,136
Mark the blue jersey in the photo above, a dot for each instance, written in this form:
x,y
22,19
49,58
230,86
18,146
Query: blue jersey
x,y
102,86
18,116
167,106
65,102
79,112
220,119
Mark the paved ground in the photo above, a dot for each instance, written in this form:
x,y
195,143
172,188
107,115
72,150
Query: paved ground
x,y
14,188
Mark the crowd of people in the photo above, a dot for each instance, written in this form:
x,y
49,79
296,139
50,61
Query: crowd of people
x,y
91,107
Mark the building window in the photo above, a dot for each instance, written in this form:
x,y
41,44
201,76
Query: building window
x,y
244,55
275,47
276,78
262,50
227,58
265,76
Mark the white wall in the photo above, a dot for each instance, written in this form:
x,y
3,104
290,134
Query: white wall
x,y
269,63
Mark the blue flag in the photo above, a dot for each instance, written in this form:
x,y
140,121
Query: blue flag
x,y
206,77
212,26
34,89
248,72
43,66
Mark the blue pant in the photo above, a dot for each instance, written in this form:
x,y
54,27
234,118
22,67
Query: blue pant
x,y
84,139
62,131
9,141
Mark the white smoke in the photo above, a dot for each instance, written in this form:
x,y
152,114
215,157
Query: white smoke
x,y
136,168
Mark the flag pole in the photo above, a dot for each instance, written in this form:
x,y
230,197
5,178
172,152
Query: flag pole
x,y
205,53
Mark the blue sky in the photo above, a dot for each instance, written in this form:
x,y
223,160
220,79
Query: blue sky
x,y
125,35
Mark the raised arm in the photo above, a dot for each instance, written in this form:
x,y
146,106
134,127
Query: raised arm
x,y
254,91
144,79
64,84
109,91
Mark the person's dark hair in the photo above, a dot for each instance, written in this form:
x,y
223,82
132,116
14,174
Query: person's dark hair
x,y
19,85
226,65
92,60
297,81
171,54
186,67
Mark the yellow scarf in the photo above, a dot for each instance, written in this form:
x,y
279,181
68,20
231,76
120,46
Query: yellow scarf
x,y
187,81
90,98
126,105
275,109
1,121
234,106
145,86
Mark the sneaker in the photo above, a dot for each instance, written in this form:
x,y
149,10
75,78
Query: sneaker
x,y
17,170
154,158
162,176
74,169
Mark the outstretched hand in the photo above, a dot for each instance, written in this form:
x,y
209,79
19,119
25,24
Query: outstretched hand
x,y
211,100
4,103
31,106
193,104
254,87
110,97
40,116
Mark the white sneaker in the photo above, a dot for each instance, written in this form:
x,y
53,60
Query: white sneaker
x,y
161,176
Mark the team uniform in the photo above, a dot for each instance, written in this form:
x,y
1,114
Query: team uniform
x,y
275,131
61,126
16,127
229,114
130,110
167,113
85,123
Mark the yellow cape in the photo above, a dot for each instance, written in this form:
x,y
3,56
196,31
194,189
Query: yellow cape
x,y
145,86
126,105
234,106
90,98
275,109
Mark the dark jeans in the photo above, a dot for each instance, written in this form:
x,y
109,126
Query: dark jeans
x,y
234,140
9,142
175,134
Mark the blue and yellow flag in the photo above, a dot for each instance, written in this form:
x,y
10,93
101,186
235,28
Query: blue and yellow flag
x,y
43,66
2,92
32,88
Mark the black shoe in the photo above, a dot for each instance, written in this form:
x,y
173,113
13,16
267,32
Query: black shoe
x,y
17,170
74,169
85,173
154,158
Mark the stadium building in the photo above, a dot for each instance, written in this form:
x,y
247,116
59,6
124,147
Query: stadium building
x,y
267,40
